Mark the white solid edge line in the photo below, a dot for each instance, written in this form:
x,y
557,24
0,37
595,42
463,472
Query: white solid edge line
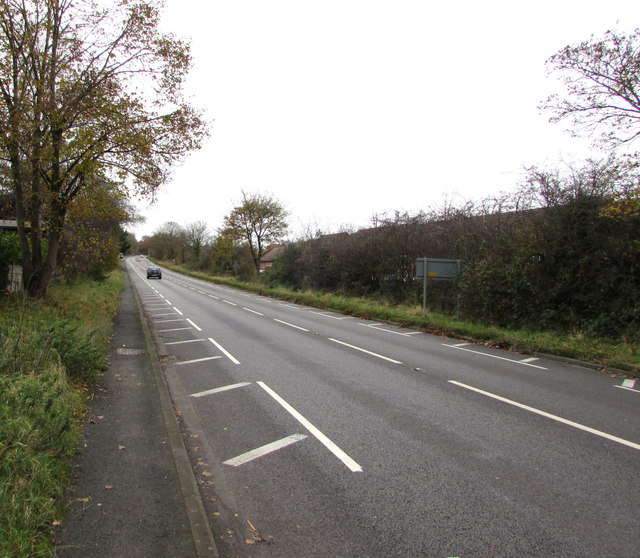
x,y
194,325
332,447
226,353
264,450
220,389
550,416
365,351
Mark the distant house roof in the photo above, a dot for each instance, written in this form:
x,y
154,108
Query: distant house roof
x,y
270,255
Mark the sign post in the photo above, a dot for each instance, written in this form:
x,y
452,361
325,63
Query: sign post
x,y
436,269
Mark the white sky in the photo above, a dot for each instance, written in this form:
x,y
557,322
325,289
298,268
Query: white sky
x,y
343,109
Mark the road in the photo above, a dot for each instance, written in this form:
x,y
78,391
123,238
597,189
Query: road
x,y
321,435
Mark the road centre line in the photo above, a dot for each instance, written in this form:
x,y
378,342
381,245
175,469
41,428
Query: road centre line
x,y
550,416
186,341
522,362
229,302
264,450
226,353
290,325
194,325
324,440
197,360
211,296
365,351
220,389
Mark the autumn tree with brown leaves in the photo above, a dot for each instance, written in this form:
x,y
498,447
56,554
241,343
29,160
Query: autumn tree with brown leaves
x,y
86,92
259,220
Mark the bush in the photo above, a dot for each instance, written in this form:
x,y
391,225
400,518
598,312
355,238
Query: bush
x,y
37,441
45,354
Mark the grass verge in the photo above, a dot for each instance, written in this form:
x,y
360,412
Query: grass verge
x,y
52,351
604,353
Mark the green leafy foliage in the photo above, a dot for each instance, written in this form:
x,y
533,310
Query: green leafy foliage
x,y
37,439
47,353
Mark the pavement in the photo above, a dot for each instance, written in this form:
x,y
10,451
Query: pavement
x,y
133,492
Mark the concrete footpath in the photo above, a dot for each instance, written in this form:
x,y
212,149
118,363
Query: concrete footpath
x,y
133,492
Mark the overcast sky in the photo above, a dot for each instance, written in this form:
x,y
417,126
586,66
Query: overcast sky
x,y
343,109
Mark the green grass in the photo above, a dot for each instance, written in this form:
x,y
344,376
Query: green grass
x,y
609,354
51,352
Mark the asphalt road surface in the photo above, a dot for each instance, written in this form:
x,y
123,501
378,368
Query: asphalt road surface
x,y
315,434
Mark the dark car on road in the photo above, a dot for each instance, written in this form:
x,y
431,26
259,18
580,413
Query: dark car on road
x,y
154,272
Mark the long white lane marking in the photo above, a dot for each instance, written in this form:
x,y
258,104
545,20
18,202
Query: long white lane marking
x,y
220,389
550,416
365,351
211,296
196,360
331,446
264,450
186,341
178,311
226,353
374,326
522,362
290,325
229,302
253,311
332,316
194,325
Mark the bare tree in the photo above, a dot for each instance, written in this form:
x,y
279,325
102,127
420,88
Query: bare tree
x,y
602,78
197,235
